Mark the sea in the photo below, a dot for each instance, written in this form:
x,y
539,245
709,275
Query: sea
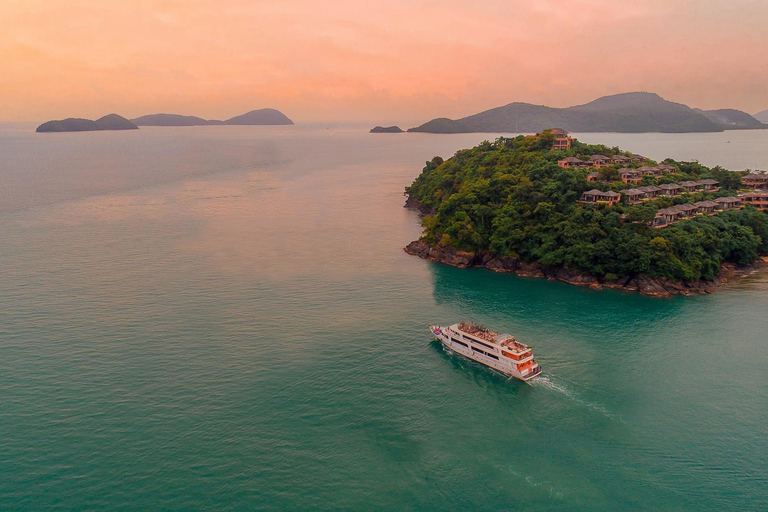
x,y
223,318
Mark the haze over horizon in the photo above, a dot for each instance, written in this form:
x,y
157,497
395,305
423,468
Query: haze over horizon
x,y
349,61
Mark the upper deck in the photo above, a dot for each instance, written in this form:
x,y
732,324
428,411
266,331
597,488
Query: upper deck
x,y
480,333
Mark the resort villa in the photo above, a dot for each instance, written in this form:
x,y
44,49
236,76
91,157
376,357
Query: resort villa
x,y
755,181
562,140
598,196
728,203
758,199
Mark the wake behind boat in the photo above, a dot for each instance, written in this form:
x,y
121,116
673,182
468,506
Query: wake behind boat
x,y
498,351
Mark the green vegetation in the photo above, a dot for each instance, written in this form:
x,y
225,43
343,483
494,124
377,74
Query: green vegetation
x,y
510,198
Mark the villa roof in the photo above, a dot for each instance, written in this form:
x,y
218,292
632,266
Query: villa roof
x,y
756,176
649,188
573,160
669,186
689,184
727,199
708,182
599,157
623,158
705,204
684,207
633,192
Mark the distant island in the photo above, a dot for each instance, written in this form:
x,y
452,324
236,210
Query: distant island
x,y
634,112
386,129
551,206
762,116
264,116
108,122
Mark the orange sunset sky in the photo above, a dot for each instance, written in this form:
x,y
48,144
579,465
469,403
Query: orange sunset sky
x,y
384,60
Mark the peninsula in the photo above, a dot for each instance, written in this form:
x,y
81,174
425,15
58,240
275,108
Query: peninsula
x,y
551,206
264,116
108,122
634,112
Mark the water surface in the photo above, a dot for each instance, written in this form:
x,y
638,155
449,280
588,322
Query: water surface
x,y
223,317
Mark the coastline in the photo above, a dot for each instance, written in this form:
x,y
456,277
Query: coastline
x,y
643,284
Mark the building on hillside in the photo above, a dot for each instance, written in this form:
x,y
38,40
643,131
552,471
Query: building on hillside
x,y
562,140
639,159
648,171
756,181
728,203
686,210
667,168
650,191
621,159
598,196
573,163
709,185
757,198
690,186
706,207
593,177
633,196
670,189
630,176
599,161
665,217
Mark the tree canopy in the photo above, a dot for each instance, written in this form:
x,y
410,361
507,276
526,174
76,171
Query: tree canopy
x,y
510,198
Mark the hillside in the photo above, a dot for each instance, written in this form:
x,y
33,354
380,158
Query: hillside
x,y
762,116
108,122
731,119
507,205
264,116
629,113
386,129
169,120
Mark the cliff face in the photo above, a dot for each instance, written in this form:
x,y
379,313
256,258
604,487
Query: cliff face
x,y
654,287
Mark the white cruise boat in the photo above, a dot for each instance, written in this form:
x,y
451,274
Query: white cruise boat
x,y
498,351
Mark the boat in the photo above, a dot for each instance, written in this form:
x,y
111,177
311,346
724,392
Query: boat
x,y
502,352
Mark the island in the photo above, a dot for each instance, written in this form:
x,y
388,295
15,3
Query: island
x,y
633,112
264,116
386,129
550,206
762,116
108,122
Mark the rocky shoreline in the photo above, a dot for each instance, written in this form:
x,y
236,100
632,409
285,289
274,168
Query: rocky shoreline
x,y
653,287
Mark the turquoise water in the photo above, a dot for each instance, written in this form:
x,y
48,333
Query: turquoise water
x,y
223,318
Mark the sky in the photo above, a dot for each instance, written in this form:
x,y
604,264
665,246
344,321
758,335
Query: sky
x,y
357,60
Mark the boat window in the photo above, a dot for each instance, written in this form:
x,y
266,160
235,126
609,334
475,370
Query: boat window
x,y
459,342
483,344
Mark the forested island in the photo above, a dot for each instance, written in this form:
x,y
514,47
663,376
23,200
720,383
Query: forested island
x,y
264,116
509,206
386,129
72,124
